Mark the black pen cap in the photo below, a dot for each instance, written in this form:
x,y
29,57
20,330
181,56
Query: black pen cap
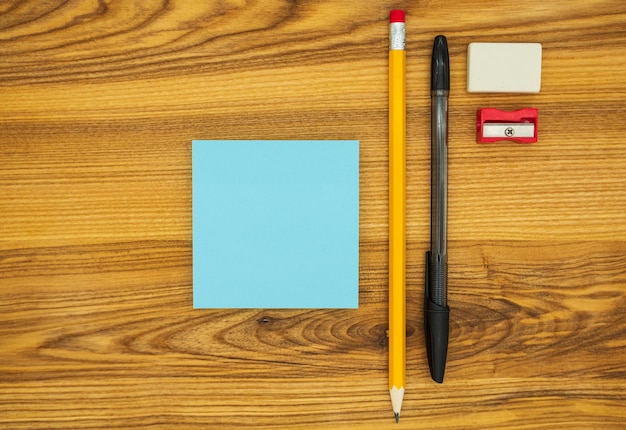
x,y
440,66
436,329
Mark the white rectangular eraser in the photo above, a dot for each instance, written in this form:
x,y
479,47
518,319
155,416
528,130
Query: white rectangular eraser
x,y
504,67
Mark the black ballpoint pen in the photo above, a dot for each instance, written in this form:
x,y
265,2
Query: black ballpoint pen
x,y
436,310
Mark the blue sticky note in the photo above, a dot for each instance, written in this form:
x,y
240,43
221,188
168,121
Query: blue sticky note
x,y
275,223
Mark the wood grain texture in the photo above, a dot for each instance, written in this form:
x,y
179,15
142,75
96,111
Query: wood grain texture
x,y
99,102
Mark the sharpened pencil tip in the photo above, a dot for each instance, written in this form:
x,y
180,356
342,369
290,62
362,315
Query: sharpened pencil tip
x,y
396,401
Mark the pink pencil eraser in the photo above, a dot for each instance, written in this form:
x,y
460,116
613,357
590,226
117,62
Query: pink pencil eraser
x,y
396,16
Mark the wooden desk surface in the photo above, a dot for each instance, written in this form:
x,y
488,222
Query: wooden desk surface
x,y
99,104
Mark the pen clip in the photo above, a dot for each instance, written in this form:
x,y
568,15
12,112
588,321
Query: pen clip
x,y
436,329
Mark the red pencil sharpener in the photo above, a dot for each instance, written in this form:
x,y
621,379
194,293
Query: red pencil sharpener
x,y
493,125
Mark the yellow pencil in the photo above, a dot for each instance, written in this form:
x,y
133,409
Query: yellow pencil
x,y
397,235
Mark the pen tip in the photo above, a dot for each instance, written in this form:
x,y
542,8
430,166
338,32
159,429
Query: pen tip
x,y
397,414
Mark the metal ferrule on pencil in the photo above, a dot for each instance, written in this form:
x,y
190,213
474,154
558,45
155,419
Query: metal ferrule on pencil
x,y
397,36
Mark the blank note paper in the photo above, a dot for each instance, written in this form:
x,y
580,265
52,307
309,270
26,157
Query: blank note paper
x,y
275,224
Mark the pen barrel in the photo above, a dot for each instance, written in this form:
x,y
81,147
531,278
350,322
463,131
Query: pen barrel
x,y
438,284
